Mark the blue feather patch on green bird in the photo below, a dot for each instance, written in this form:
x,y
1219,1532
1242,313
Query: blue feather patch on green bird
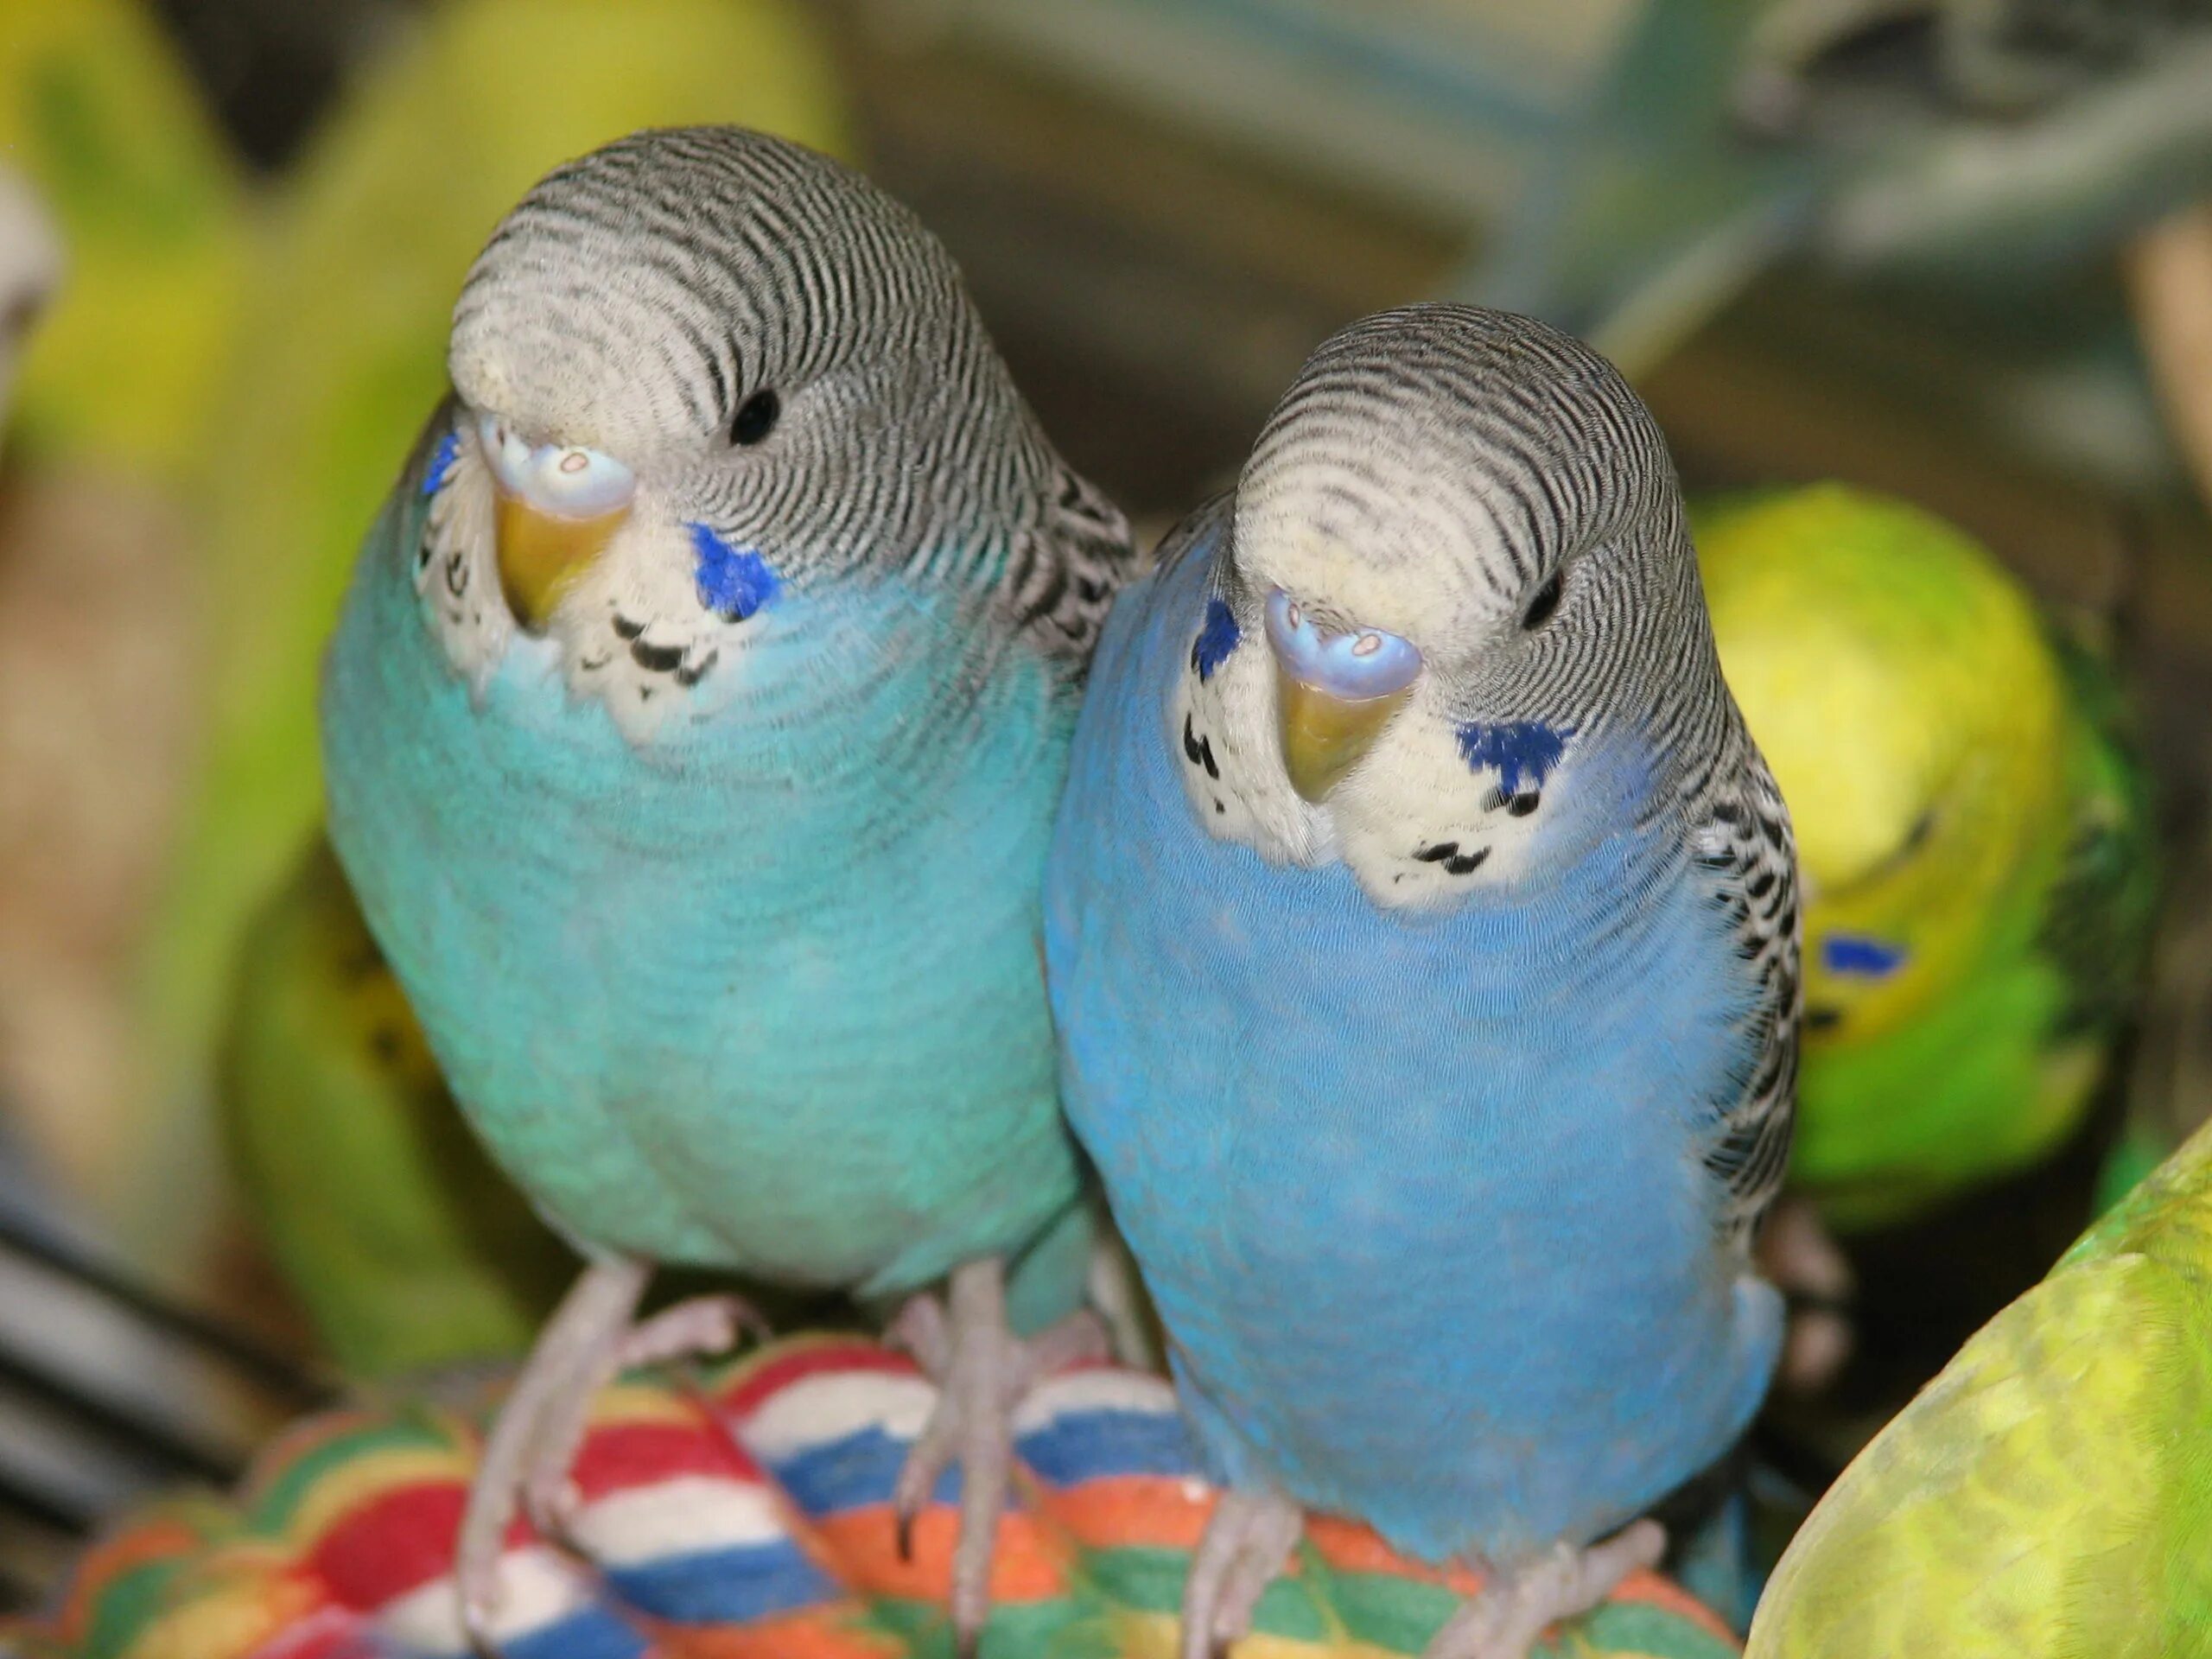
x,y
1848,953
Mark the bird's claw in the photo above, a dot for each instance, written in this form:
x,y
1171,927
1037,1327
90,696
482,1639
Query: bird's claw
x,y
537,1432
1505,1618
689,1330
1247,1541
920,1328
982,1372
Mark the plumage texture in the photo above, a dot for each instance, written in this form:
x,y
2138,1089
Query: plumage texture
x,y
1974,831
1485,1061
2050,1492
365,240
406,1249
723,929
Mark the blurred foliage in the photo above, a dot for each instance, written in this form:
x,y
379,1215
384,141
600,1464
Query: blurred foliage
x,y
97,112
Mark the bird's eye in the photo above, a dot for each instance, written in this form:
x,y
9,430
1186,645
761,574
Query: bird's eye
x,y
756,418
1541,606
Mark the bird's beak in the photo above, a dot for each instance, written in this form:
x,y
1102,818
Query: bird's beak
x,y
542,553
1324,735
557,507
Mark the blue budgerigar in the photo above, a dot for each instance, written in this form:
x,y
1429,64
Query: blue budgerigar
x,y
1424,947
693,730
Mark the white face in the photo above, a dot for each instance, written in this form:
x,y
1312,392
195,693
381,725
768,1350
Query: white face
x,y
1433,805
1470,538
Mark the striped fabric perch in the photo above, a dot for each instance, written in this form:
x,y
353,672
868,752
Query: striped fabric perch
x,y
751,1519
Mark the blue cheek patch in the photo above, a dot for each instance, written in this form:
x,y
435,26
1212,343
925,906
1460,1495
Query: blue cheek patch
x,y
1522,752
441,463
734,581
1216,639
1862,958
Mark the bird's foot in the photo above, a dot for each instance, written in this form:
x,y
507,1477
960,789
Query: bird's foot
x,y
687,1329
539,1428
700,1325
1247,1540
1799,1254
1514,1608
982,1371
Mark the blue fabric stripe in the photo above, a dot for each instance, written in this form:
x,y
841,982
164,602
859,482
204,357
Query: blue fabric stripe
x,y
589,1633
852,1473
1094,1444
734,1585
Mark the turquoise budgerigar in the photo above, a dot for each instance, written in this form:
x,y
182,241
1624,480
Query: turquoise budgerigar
x,y
1424,951
692,730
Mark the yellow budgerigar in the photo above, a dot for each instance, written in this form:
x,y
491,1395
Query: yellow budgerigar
x,y
2048,1496
1974,835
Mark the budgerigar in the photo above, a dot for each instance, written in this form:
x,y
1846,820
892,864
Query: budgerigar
x,y
406,1249
1974,831
1423,945
692,732
2048,1494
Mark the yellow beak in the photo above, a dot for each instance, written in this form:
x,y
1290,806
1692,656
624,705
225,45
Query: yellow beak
x,y
542,554
1323,735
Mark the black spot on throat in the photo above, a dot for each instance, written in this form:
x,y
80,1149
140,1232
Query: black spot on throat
x,y
1199,751
1454,862
655,659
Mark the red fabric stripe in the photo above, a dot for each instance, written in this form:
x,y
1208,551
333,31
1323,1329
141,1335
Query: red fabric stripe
x,y
396,1543
619,1457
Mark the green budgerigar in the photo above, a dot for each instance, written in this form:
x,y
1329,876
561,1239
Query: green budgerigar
x,y
1974,832
406,1249
2048,1494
